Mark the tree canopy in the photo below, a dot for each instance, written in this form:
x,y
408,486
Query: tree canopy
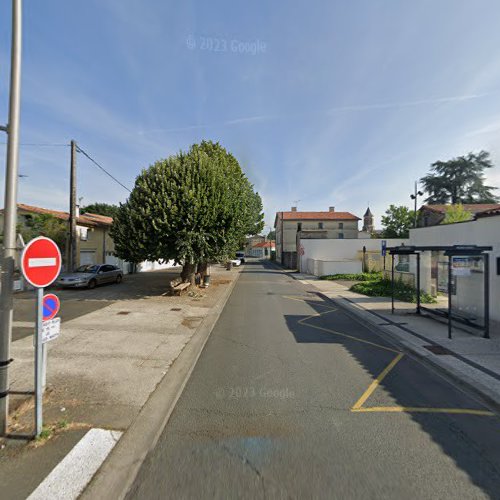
x,y
101,209
46,225
194,207
460,180
397,222
456,213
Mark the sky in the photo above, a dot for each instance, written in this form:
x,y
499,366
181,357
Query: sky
x,y
333,103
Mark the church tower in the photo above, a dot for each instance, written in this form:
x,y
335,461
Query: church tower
x,y
368,221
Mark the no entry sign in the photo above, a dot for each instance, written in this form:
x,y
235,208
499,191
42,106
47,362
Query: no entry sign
x,y
51,306
41,262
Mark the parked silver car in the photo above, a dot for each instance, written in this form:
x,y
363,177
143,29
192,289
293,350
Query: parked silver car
x,y
91,275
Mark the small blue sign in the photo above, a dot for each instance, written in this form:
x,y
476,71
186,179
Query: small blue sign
x,y
384,247
51,306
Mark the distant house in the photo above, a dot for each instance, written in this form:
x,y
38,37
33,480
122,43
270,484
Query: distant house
x,y
253,240
329,225
433,215
263,249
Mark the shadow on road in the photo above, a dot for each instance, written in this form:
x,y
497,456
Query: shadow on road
x,y
471,440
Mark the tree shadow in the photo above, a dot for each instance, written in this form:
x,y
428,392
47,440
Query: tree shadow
x,y
471,440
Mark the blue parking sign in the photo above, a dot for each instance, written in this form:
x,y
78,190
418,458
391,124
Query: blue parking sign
x,y
384,247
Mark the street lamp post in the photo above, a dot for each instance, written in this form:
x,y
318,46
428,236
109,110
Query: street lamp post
x,y
414,197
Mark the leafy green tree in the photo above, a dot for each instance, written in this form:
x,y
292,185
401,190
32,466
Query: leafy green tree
x,y
101,209
194,207
46,225
460,180
272,235
456,213
397,222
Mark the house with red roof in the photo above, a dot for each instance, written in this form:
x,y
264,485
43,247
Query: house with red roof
x,y
329,224
263,249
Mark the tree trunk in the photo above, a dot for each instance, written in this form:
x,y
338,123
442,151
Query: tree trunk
x,y
202,269
187,274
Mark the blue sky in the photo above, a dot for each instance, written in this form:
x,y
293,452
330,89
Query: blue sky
x,y
343,104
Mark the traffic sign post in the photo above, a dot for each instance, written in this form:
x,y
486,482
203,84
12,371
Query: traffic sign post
x,y
41,264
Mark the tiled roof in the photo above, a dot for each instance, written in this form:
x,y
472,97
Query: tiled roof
x,y
318,216
473,208
100,219
265,244
91,220
488,213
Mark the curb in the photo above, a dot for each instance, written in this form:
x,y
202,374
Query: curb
x,y
468,383
118,473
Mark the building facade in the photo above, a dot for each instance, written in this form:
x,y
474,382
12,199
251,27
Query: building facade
x,y
329,225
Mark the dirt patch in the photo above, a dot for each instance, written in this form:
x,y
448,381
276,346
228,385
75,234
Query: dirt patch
x,y
216,282
191,321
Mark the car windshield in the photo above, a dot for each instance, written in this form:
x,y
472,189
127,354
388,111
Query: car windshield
x,y
87,268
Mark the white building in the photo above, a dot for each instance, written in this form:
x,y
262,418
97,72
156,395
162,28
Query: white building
x,y
321,257
331,225
469,284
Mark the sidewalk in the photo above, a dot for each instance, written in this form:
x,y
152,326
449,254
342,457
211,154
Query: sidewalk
x,y
472,361
103,368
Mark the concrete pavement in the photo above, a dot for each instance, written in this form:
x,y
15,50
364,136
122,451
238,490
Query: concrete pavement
x,y
103,368
293,398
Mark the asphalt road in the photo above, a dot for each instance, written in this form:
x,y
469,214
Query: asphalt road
x,y
292,398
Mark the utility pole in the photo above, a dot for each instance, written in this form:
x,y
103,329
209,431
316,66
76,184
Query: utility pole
x,y
415,197
10,214
72,210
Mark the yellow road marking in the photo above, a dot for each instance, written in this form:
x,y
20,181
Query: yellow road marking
x,y
376,382
358,406
416,409
333,332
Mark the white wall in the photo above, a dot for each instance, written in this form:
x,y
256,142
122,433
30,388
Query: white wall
x,y
482,232
338,255
154,266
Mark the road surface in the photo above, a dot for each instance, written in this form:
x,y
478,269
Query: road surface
x,y
292,398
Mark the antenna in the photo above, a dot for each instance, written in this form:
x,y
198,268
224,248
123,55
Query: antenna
x,y
295,202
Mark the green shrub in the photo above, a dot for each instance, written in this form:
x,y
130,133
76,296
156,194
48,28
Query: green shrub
x,y
383,288
353,277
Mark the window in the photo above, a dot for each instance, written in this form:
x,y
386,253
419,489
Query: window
x,y
299,226
320,225
341,236
341,225
84,234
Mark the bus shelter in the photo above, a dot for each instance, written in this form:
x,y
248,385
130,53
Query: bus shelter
x,y
455,255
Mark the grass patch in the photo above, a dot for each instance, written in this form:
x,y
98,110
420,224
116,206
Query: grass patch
x,y
353,277
383,288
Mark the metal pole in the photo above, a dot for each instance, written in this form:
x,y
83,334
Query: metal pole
x,y
10,214
415,223
486,296
72,211
38,361
392,285
449,296
418,283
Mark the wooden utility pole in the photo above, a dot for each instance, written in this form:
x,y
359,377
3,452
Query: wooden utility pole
x,y
72,258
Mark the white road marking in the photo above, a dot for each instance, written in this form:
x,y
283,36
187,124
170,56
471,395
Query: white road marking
x,y
70,477
42,262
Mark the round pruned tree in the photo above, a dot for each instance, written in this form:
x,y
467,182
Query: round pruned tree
x,y
193,208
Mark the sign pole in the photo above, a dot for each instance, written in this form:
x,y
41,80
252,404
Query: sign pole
x,y
38,361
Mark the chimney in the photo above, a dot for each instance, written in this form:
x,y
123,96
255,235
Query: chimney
x,y
331,209
294,209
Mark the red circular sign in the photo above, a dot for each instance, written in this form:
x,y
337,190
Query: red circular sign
x,y
41,262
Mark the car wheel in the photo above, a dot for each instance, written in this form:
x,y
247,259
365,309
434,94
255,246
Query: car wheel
x,y
92,284
119,278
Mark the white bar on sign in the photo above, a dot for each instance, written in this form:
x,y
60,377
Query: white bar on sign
x,y
42,262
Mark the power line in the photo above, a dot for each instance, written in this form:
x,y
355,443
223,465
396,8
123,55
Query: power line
x,y
39,144
80,150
